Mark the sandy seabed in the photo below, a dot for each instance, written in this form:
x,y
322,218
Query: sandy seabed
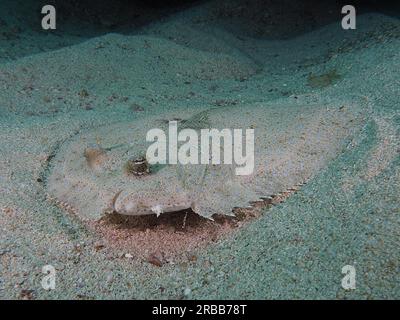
x,y
347,214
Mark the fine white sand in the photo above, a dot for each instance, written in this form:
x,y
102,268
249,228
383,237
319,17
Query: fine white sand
x,y
348,214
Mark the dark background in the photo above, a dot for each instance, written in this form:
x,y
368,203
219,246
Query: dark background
x,y
127,15
79,20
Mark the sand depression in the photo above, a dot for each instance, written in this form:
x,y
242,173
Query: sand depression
x,y
88,175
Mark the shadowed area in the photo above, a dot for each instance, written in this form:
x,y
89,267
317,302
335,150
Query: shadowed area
x,y
78,21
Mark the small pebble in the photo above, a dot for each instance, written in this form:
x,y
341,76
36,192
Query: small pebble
x,y
154,260
26,294
187,292
110,278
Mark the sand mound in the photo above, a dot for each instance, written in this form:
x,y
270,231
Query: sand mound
x,y
133,63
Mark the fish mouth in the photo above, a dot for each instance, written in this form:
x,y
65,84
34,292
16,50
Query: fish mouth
x,y
137,205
